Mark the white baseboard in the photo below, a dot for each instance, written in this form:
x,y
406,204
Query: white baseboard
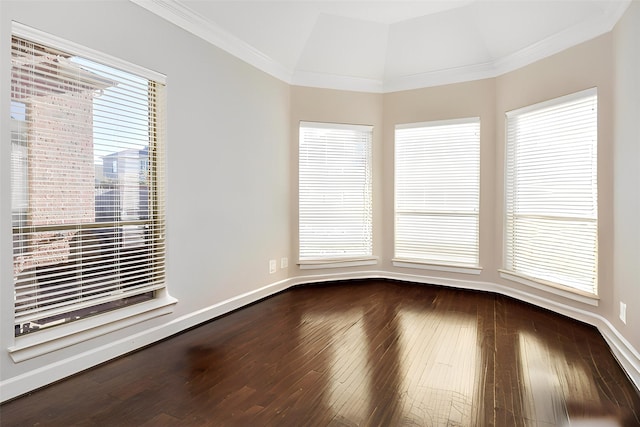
x,y
32,380
627,355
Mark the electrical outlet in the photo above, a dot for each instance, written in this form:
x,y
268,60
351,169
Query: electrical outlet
x,y
623,312
272,266
284,262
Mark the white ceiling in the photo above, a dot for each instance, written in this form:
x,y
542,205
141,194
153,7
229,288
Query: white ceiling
x,y
385,46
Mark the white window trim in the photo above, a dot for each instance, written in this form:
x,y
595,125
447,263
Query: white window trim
x,y
337,263
45,341
49,340
332,261
424,265
458,121
551,102
431,264
330,126
554,288
544,285
24,31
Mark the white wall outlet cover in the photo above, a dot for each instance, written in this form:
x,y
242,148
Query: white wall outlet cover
x,y
623,312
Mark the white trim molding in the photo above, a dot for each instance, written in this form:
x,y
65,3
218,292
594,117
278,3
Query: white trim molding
x,y
333,81
422,265
50,340
625,353
38,36
572,36
563,291
31,380
182,16
179,14
337,263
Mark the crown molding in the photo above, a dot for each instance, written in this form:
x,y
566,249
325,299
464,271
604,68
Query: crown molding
x,y
441,77
185,18
572,36
175,12
334,81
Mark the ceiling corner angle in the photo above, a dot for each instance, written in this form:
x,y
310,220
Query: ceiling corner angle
x,y
178,14
338,82
572,36
441,77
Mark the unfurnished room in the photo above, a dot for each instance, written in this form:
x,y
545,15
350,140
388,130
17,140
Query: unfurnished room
x,y
320,213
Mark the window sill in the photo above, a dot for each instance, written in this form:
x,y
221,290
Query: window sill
x,y
337,263
554,288
424,265
50,340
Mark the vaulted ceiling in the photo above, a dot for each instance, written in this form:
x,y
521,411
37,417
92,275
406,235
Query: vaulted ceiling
x,y
385,46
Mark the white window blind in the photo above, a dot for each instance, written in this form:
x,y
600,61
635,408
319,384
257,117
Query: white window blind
x,y
335,205
551,191
437,191
87,237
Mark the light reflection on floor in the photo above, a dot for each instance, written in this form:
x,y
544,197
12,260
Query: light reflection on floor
x,y
345,356
550,383
435,363
439,380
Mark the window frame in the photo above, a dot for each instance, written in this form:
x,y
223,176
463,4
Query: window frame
x,y
426,262
366,257
552,286
51,339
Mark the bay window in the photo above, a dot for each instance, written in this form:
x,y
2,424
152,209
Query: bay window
x,y
551,233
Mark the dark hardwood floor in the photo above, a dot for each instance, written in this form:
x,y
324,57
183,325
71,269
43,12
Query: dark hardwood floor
x,y
372,353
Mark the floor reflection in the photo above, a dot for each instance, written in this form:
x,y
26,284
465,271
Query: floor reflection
x,y
440,364
552,386
344,356
398,365
370,354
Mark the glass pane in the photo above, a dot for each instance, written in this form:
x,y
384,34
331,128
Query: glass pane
x,y
80,186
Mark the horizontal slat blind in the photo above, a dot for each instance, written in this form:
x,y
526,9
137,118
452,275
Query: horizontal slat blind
x,y
335,206
551,191
88,210
437,184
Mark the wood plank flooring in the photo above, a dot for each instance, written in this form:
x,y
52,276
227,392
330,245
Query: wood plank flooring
x,y
370,353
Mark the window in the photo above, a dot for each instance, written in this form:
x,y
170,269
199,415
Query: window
x,y
88,237
437,192
551,192
335,206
